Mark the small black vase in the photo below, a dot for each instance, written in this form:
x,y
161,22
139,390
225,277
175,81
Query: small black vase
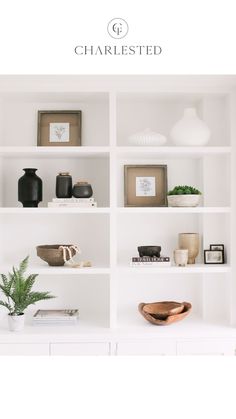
x,y
30,188
82,190
64,185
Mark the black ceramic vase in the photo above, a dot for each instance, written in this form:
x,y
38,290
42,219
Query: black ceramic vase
x,y
64,185
82,190
30,188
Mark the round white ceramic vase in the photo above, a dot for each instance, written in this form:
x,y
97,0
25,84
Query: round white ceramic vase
x,y
16,323
190,130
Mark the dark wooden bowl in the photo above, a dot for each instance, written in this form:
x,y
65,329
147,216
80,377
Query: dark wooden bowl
x,y
154,319
51,253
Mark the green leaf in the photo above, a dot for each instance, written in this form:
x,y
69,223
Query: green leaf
x,y
184,190
6,305
23,266
18,289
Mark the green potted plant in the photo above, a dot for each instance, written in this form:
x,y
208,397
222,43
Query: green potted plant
x,y
183,196
17,289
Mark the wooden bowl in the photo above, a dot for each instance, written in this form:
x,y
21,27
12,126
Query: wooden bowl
x,y
154,319
51,253
163,309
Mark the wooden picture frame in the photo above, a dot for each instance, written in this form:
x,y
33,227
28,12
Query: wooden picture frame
x,y
59,128
145,185
213,257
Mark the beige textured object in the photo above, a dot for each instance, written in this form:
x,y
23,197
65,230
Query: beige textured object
x,y
181,257
191,242
187,200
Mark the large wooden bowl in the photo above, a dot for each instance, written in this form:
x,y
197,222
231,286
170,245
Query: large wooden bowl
x,y
154,318
163,309
52,254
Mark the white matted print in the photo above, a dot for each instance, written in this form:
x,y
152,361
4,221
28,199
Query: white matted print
x,y
145,186
59,132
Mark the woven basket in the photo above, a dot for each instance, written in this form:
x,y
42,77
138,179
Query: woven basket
x,y
51,253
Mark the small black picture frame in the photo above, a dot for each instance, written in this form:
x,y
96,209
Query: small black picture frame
x,y
217,247
214,257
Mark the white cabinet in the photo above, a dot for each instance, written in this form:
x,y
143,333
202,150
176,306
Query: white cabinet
x,y
27,349
160,347
82,348
205,347
108,293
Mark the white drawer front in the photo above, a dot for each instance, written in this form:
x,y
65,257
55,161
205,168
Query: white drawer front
x,y
24,349
85,348
205,347
146,348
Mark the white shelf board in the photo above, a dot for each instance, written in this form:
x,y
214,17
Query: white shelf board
x,y
172,151
35,211
60,270
52,152
131,326
197,268
174,210
81,331
132,323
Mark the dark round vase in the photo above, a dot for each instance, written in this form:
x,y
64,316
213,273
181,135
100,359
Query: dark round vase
x,y
30,188
64,185
82,190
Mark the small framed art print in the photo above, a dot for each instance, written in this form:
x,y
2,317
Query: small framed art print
x,y
59,128
213,256
145,185
217,247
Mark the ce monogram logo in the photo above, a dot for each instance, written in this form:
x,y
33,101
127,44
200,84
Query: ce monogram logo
x,y
117,28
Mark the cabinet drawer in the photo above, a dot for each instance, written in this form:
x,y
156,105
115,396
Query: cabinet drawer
x,y
85,348
146,348
205,347
24,349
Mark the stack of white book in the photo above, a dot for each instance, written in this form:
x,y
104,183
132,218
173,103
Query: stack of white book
x,y
72,202
56,316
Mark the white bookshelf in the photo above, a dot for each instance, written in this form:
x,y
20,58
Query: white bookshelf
x,y
108,293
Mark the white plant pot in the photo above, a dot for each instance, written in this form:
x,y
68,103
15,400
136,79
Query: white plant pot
x,y
190,130
16,323
183,200
147,138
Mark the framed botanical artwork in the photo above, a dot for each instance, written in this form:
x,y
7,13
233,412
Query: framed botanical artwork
x,y
213,256
145,185
59,128
217,247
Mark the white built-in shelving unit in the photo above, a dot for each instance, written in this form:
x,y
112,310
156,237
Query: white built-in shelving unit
x,y
108,293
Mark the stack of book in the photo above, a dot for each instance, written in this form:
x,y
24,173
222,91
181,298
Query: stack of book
x,y
150,261
72,203
56,317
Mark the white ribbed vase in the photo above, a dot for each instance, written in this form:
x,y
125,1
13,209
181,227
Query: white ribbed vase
x,y
190,130
147,138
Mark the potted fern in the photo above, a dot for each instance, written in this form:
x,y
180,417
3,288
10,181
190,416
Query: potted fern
x,y
17,289
183,196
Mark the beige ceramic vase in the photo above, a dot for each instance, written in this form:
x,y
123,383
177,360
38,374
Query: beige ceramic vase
x,y
181,257
190,241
